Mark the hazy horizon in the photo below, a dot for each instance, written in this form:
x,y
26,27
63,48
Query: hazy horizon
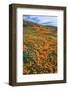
x,y
43,20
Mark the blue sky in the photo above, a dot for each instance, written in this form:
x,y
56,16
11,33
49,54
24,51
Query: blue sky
x,y
43,20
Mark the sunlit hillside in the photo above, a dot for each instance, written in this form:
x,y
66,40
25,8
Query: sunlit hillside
x,y
40,48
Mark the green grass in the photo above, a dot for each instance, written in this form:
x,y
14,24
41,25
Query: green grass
x,y
29,30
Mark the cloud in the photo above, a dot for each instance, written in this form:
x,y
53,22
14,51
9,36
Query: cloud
x,y
43,20
26,17
46,23
35,19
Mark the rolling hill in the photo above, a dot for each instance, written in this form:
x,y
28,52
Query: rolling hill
x,y
40,48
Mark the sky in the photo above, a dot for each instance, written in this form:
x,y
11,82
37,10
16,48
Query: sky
x,y
43,20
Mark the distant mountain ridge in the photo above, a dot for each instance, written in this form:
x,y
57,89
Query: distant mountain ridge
x,y
30,23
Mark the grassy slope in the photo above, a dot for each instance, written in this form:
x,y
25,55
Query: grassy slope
x,y
40,49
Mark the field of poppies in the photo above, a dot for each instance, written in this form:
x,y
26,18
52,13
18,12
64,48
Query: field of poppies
x,y
39,49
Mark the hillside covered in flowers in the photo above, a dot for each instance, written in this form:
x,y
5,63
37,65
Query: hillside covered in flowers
x,y
39,48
